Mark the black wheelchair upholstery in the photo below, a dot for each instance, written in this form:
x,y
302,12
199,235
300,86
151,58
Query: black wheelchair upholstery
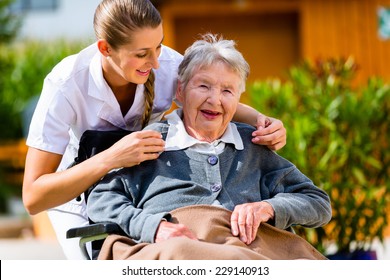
x,y
91,143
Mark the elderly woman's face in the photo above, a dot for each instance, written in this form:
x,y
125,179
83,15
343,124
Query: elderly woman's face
x,y
209,101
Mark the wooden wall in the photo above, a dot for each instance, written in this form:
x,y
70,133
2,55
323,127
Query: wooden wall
x,y
275,34
341,28
265,31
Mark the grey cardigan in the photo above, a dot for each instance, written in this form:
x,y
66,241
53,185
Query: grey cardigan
x,y
138,198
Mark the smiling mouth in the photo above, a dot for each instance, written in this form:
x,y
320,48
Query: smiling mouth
x,y
143,73
210,114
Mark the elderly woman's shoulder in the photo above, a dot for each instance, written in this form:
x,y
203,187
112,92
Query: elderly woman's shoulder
x,y
244,128
161,126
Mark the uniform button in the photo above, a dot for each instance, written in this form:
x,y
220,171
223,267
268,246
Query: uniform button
x,y
215,187
212,160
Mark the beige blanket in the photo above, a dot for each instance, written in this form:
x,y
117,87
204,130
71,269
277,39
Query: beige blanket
x,y
212,227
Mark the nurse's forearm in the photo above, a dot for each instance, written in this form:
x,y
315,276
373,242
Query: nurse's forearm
x,y
246,114
45,190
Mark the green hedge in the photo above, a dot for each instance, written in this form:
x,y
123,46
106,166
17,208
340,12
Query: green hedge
x,y
338,135
23,67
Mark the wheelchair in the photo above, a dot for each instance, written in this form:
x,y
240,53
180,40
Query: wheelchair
x,y
91,143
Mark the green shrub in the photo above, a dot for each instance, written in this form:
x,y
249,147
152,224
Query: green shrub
x,y
23,67
338,135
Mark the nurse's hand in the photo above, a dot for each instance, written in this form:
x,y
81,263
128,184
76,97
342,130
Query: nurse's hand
x,y
135,148
270,132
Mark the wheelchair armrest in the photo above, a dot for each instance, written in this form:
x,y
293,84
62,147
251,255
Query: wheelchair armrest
x,y
93,230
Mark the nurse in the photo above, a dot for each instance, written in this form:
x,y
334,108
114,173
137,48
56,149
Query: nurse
x,y
125,80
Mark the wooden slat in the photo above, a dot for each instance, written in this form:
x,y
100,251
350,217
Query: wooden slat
x,y
13,153
340,28
12,160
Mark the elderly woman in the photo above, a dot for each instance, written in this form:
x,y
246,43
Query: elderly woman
x,y
210,175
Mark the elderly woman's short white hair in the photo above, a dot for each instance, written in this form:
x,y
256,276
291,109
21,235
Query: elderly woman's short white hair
x,y
211,49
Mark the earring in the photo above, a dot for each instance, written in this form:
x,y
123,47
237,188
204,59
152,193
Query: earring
x,y
108,57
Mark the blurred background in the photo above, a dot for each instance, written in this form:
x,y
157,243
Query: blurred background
x,y
321,66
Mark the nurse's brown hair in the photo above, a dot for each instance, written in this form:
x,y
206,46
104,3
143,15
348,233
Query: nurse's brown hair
x,y
115,20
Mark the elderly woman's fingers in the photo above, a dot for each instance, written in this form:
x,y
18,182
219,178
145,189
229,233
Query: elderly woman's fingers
x,y
246,219
249,227
234,223
242,223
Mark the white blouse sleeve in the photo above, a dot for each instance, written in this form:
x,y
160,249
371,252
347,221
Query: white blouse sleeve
x,y
53,116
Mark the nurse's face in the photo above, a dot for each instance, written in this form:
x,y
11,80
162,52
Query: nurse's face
x,y
132,63
209,101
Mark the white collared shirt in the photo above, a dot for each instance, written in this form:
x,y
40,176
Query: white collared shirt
x,y
178,138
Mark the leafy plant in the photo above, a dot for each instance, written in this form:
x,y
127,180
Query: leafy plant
x,y
23,67
338,136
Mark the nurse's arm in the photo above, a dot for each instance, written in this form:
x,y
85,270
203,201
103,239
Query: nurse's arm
x,y
44,188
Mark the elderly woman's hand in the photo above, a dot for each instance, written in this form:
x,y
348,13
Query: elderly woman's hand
x,y
167,230
246,219
270,132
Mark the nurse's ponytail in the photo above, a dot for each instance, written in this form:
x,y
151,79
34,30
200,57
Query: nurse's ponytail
x,y
149,97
